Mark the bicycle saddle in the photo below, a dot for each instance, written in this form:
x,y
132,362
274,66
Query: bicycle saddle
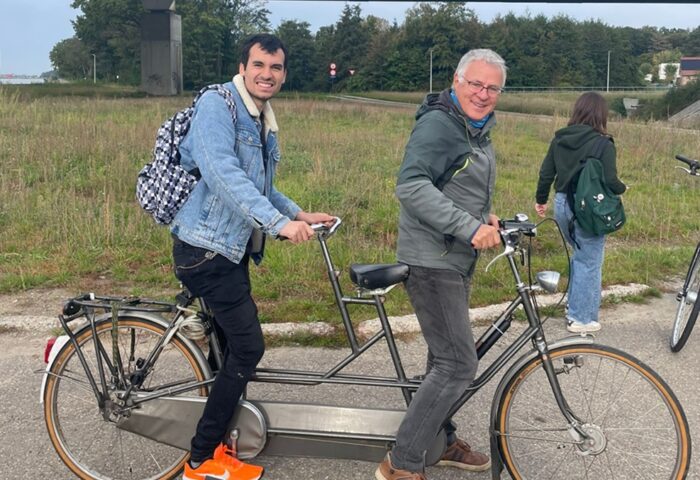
x,y
378,276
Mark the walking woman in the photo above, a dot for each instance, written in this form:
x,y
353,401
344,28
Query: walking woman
x,y
570,145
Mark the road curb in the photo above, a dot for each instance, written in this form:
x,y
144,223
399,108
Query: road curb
x,y
409,323
41,324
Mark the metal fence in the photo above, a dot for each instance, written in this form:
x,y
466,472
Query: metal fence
x,y
636,88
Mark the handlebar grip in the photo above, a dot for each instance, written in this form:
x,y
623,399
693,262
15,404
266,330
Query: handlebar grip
x,y
691,163
515,225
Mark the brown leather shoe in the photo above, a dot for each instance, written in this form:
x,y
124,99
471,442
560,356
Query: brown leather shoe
x,y
461,455
386,471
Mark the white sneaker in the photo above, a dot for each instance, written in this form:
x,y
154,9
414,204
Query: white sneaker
x,y
578,327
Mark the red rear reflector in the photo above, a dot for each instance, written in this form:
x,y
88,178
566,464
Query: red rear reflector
x,y
47,350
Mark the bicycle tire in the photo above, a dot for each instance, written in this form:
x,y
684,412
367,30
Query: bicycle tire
x,y
688,307
93,447
638,426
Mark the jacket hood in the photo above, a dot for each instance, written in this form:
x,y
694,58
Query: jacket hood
x,y
575,136
440,101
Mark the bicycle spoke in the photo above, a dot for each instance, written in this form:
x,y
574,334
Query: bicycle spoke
x,y
587,402
636,470
551,407
94,447
642,457
633,433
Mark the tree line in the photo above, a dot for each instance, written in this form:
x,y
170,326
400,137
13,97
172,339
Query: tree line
x,y
371,53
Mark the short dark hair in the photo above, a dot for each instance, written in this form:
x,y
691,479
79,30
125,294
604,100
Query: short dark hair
x,y
591,109
269,43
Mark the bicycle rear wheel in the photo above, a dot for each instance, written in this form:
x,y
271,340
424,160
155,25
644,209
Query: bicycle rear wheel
x,y
87,441
637,427
688,307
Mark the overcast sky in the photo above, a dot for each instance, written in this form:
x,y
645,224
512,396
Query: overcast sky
x,y
30,28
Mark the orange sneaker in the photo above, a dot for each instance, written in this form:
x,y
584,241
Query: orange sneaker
x,y
209,470
226,456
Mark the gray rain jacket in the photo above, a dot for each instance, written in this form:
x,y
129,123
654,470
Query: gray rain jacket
x,y
445,187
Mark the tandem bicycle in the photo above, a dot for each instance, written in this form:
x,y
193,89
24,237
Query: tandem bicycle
x,y
127,383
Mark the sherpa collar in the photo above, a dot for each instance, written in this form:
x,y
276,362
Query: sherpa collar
x,y
269,115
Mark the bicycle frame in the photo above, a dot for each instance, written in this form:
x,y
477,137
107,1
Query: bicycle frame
x,y
275,427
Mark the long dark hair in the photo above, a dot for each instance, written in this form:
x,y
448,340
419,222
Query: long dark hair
x,y
591,109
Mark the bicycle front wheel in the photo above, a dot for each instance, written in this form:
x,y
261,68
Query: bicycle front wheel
x,y
637,429
86,439
687,312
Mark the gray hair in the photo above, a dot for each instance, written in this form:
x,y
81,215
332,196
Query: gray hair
x,y
485,55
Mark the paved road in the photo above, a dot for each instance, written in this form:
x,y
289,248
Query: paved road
x,y
641,330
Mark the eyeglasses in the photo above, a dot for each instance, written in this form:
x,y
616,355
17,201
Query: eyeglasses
x,y
477,87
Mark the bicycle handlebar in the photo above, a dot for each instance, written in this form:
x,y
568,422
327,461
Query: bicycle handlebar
x,y
693,164
511,231
322,229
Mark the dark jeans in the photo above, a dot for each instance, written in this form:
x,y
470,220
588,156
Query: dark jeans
x,y
440,299
225,287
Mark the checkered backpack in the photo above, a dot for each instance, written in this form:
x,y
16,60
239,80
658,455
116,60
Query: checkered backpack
x,y
163,185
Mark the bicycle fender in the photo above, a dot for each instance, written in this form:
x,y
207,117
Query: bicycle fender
x,y
63,342
496,462
59,343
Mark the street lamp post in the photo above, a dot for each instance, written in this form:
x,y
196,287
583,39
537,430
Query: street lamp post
x,y
607,85
94,68
431,69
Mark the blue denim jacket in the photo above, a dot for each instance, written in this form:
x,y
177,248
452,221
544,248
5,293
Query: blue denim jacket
x,y
228,202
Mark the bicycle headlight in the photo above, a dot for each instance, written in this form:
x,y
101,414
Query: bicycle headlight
x,y
548,280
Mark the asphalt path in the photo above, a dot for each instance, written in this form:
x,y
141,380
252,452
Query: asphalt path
x,y
639,329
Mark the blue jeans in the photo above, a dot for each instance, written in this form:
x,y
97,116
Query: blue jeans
x,y
586,266
440,299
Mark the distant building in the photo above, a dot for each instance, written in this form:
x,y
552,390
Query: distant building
x,y
689,69
662,75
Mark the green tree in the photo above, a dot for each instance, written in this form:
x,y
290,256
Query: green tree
x,y
519,40
692,46
670,70
111,30
70,59
383,41
563,51
323,55
350,43
212,33
300,44
645,68
449,29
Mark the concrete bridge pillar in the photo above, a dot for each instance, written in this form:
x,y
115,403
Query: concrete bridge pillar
x,y
161,48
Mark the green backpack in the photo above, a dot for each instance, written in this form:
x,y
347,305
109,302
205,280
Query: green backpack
x,y
597,210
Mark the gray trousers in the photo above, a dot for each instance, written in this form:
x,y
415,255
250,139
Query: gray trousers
x,y
440,299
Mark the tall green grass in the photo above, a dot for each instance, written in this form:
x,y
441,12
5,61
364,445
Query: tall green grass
x,y
558,103
68,216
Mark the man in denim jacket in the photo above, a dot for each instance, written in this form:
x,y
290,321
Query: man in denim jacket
x,y
223,224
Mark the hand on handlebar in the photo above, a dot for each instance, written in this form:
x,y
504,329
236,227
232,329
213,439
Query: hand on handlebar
x,y
315,218
486,236
296,232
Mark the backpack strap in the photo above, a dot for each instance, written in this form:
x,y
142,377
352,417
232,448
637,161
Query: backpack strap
x,y
230,103
598,147
597,152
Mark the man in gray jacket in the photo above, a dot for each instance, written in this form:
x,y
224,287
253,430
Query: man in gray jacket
x,y
445,187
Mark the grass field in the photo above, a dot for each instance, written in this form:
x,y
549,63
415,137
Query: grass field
x,y
68,216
